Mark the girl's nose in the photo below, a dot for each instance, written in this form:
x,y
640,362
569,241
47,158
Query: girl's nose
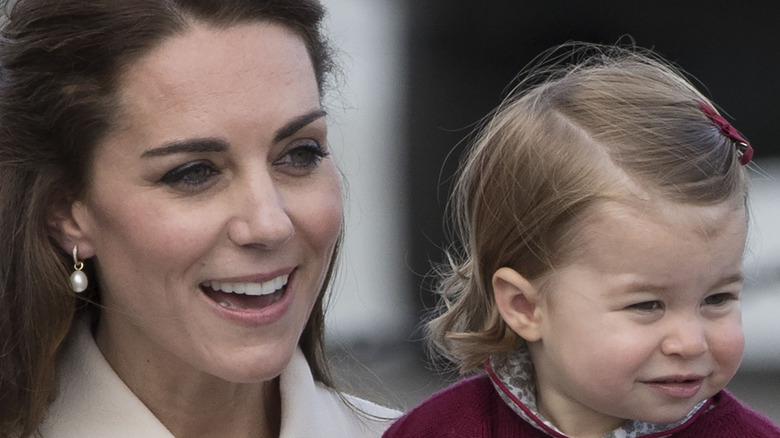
x,y
686,338
261,218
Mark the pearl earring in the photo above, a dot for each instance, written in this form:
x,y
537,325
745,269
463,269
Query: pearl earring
x,y
78,279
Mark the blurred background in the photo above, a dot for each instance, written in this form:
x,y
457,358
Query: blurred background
x,y
417,76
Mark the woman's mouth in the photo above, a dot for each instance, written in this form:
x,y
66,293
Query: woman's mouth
x,y
246,296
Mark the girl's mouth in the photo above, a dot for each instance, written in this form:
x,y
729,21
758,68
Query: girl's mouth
x,y
677,387
246,296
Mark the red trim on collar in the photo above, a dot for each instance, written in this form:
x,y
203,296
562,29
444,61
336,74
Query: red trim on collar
x,y
521,405
556,434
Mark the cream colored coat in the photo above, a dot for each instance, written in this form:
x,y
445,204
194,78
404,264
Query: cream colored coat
x,y
94,402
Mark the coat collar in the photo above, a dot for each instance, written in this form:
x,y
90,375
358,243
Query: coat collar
x,y
93,401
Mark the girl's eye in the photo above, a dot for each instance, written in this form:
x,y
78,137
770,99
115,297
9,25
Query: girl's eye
x,y
647,306
190,176
720,299
303,156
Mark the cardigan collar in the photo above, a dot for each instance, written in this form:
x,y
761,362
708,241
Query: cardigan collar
x,y
512,375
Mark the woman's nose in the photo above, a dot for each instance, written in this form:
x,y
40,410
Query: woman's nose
x,y
686,338
261,218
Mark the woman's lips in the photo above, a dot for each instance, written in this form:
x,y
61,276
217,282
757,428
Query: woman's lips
x,y
246,295
246,288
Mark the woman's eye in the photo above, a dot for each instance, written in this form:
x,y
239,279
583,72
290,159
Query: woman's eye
x,y
190,176
303,156
647,306
720,299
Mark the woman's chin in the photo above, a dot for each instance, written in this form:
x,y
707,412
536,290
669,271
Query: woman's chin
x,y
253,369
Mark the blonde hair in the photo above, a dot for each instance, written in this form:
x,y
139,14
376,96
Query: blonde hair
x,y
585,126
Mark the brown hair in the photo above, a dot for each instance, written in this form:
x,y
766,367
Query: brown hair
x,y
60,67
584,126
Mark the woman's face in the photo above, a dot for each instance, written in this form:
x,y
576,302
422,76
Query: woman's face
x,y
214,207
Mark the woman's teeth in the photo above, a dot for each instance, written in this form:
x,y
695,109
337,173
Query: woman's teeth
x,y
255,289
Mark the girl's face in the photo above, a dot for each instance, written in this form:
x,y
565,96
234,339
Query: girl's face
x,y
213,208
644,322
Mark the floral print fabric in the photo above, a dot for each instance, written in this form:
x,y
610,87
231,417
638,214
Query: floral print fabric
x,y
512,375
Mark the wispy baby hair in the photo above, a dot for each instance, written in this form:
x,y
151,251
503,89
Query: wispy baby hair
x,y
587,123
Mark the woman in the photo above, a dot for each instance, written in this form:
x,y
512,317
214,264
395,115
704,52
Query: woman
x,y
170,217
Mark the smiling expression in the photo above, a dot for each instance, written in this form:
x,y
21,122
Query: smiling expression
x,y
643,320
213,209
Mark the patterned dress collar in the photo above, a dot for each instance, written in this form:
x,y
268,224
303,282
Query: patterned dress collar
x,y
512,375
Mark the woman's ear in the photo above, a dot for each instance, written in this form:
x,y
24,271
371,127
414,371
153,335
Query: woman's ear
x,y
518,303
65,223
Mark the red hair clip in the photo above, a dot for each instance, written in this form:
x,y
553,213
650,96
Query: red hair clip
x,y
725,128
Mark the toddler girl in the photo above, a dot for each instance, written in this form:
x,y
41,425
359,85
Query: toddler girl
x,y
602,217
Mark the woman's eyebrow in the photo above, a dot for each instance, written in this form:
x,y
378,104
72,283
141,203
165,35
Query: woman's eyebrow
x,y
214,144
298,123
190,145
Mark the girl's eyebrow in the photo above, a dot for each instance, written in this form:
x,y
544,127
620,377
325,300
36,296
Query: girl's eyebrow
x,y
641,286
734,278
216,144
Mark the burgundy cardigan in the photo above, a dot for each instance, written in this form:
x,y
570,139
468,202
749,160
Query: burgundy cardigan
x,y
473,409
